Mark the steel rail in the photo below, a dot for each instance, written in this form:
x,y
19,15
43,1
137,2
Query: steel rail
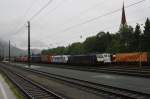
x,y
107,90
31,89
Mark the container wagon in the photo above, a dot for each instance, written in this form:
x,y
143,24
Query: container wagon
x,y
46,59
130,58
82,60
35,58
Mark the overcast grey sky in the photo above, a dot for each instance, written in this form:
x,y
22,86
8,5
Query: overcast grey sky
x,y
48,29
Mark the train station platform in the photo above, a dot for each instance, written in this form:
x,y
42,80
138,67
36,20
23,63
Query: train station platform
x,y
139,84
5,91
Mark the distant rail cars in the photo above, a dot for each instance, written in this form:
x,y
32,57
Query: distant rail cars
x,y
21,59
89,59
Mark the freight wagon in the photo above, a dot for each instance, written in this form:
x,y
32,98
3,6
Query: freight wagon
x,y
21,59
60,59
46,59
35,58
91,59
82,59
130,57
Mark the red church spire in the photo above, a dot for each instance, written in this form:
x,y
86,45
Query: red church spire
x,y
123,20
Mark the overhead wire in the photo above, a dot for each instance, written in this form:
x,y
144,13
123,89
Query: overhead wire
x,y
90,8
131,22
22,26
133,4
100,16
54,8
58,5
84,11
90,20
38,12
93,19
29,8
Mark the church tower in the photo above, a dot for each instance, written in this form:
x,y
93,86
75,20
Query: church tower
x,y
123,19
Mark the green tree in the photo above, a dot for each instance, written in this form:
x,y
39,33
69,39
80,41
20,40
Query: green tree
x,y
115,44
90,45
136,39
75,48
103,41
146,37
55,51
126,35
98,43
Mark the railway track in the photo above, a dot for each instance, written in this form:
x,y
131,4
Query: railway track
x,y
30,89
120,71
106,90
144,72
132,72
117,71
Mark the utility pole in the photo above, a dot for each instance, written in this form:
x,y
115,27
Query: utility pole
x,y
140,50
3,53
9,52
28,43
0,54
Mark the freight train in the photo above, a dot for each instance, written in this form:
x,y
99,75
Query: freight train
x,y
89,59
